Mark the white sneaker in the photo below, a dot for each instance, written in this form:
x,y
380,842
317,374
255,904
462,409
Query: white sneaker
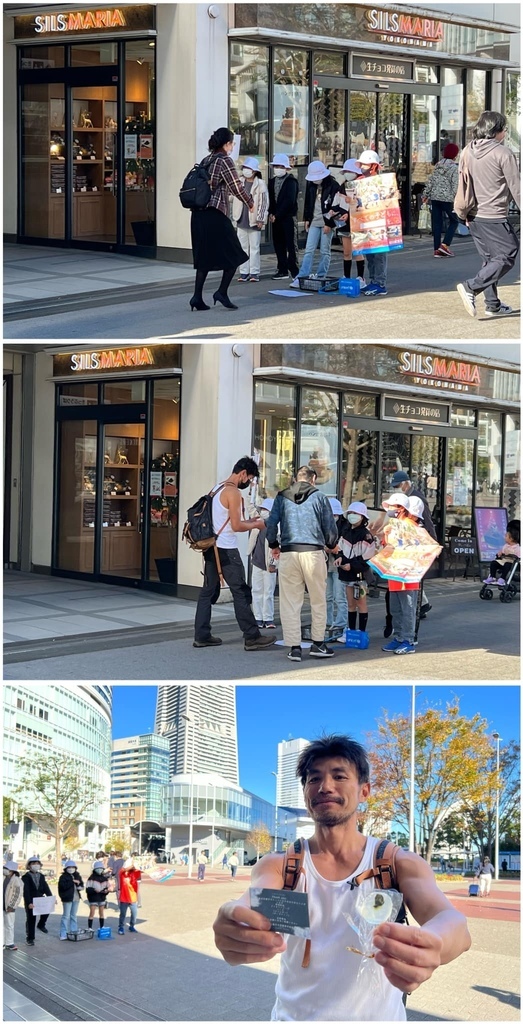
x,y
363,283
295,283
340,639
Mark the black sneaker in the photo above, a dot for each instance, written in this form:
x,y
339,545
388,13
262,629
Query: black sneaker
x,y
294,654
212,641
29,942
42,928
280,277
320,651
259,643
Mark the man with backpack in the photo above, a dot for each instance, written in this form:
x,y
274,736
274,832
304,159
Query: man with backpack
x,y
319,977
223,559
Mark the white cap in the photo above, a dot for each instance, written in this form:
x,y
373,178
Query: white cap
x,y
397,499
70,864
368,157
267,503
352,165
280,160
252,162
98,864
360,508
34,860
336,507
316,171
11,865
416,507
128,864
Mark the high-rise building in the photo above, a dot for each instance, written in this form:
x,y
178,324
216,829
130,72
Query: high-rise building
x,y
63,718
200,724
289,790
139,769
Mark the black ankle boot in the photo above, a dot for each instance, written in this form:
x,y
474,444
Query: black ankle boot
x,y
224,299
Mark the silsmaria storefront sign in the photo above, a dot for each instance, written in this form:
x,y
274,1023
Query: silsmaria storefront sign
x,y
142,358
87,21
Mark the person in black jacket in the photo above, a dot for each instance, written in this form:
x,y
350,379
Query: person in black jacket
x,y
69,885
34,885
319,202
356,546
283,208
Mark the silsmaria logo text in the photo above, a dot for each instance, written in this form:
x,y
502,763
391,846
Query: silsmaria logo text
x,y
113,359
79,21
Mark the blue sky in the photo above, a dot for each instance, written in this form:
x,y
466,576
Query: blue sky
x,y
268,714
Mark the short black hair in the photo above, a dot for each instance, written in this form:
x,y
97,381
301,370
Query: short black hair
x,y
334,746
220,138
489,124
514,528
247,464
306,473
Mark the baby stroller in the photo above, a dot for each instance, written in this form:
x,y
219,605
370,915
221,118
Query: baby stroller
x,y
509,591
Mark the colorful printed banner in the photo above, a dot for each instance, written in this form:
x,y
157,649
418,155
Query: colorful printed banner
x,y
491,527
408,554
161,874
376,224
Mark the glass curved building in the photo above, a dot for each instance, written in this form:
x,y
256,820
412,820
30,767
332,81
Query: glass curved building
x,y
67,718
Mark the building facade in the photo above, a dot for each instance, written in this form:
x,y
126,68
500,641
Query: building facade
x,y
92,150
87,429
200,723
139,770
289,791
63,718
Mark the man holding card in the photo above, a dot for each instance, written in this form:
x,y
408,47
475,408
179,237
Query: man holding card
x,y
326,983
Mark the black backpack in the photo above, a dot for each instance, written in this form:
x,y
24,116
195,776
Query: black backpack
x,y
198,531
195,192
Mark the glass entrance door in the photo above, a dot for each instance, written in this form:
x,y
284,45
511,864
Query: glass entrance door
x,y
94,159
422,458
122,506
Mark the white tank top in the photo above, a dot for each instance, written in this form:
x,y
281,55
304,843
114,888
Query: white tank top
x,y
227,538
327,989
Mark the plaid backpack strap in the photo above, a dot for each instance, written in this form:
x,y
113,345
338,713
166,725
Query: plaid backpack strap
x,y
292,868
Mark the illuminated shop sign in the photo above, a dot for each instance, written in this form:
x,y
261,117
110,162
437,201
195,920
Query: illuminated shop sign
x,y
397,408
79,21
98,19
119,360
434,371
408,29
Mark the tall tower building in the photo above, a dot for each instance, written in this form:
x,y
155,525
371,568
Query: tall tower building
x,y
289,791
200,719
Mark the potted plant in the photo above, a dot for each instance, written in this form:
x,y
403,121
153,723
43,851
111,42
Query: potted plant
x,y
139,177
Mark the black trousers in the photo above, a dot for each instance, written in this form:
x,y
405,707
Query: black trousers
x,y
284,237
234,576
502,569
498,245
30,923
438,209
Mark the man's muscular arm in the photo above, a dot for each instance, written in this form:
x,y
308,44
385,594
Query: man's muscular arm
x,y
242,935
231,499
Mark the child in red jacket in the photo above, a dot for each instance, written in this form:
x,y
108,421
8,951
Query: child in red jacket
x,y
128,886
403,596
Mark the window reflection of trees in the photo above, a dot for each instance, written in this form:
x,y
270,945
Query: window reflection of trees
x,y
249,103
358,466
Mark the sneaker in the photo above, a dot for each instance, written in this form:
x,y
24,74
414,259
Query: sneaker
x,y
133,929
259,643
363,283
503,310
269,625
405,648
121,931
320,651
295,283
212,641
501,582
490,579
445,251
243,278
42,928
63,938
294,654
29,942
260,624
341,639
12,946
254,278
392,646
375,289
438,255
467,298
280,276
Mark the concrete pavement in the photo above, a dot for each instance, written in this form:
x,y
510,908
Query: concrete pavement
x,y
171,969
65,294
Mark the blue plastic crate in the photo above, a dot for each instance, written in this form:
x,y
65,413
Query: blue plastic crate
x,y
104,933
350,286
356,638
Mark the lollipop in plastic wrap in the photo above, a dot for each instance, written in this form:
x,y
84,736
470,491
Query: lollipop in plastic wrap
x,y
371,909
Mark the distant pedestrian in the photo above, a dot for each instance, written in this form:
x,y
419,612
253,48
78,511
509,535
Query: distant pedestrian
x,y
129,879
233,864
97,889
202,864
70,885
504,865
307,526
250,223
283,208
336,591
484,873
224,862
264,572
488,177
34,885
228,517
321,189
440,192
13,889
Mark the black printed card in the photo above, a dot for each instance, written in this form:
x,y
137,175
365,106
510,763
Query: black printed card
x,y
286,910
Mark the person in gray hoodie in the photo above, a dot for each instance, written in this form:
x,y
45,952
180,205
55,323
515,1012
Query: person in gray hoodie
x,y
307,526
488,177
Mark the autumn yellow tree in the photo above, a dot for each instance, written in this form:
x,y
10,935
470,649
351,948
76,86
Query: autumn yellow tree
x,y
260,838
451,768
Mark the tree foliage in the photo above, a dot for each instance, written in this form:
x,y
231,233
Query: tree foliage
x,y
452,753
260,838
479,813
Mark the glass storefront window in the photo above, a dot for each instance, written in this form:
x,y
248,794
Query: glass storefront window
x,y
77,495
329,126
476,98
362,124
33,58
139,143
122,514
458,490
290,130
395,454
359,405
427,73
94,203
488,465
163,483
392,122
513,112
424,135
90,54
249,99
43,159
512,475
329,63
464,417
358,466
274,436
124,392
78,394
451,107
319,437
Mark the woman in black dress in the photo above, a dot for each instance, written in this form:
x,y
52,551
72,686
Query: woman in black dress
x,y
215,243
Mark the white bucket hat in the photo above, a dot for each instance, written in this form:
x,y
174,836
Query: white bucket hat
x,y
11,865
336,507
128,864
316,171
252,162
280,160
368,157
267,503
351,165
360,508
416,507
98,864
70,864
397,499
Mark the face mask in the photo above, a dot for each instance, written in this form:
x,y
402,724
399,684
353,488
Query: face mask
x,y
280,171
35,868
392,513
71,871
242,487
349,175
354,518
247,173
6,872
99,871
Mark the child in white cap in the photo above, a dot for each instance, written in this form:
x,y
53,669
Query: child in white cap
x,y
250,223
356,546
283,209
350,170
369,165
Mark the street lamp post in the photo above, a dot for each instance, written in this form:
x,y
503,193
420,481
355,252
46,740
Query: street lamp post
x,y
412,834
211,784
276,815
189,717
497,738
